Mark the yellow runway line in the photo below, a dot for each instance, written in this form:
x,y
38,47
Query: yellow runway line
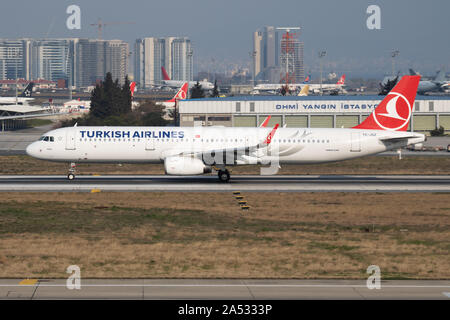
x,y
28,281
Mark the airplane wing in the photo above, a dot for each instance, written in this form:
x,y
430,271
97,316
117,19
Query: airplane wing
x,y
265,122
244,151
38,115
395,139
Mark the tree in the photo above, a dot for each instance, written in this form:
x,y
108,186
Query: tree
x,y
388,86
215,93
109,99
197,91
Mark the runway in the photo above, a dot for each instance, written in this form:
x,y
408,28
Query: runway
x,y
254,183
224,289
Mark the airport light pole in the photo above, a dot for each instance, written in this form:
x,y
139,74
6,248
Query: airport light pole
x,y
394,53
16,55
253,55
321,55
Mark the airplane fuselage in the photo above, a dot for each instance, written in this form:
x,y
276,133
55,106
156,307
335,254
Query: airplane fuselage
x,y
155,144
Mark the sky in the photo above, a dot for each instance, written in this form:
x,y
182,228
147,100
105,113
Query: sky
x,y
221,30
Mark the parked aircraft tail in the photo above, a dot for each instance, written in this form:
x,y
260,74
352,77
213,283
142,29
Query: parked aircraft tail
x,y
304,92
341,80
395,110
181,94
164,73
132,88
28,91
440,76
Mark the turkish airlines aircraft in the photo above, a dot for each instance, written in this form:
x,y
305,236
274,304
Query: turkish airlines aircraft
x,y
178,83
199,150
180,95
326,87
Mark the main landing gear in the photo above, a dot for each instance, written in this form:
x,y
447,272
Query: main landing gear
x,y
224,175
72,169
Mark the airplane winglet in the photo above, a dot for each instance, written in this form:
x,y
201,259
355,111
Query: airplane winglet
x,y
271,134
265,122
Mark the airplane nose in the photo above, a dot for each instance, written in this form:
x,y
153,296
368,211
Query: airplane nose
x,y
32,150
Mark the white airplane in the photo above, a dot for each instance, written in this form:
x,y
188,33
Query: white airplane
x,y
315,88
329,87
178,83
200,150
23,98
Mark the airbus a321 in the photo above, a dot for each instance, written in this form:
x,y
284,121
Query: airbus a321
x,y
201,150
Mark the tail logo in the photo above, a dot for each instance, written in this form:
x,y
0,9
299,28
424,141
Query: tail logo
x,y
181,95
395,114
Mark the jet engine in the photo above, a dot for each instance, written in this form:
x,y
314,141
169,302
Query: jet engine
x,y
177,165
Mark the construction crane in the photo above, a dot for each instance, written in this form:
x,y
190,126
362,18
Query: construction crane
x,y
100,24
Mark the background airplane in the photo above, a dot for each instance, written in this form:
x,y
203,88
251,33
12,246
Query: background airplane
x,y
22,98
315,88
178,83
438,84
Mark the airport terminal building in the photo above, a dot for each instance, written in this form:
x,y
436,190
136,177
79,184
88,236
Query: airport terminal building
x,y
429,112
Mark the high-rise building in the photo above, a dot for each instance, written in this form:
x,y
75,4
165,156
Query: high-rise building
x,y
94,58
268,59
148,60
172,53
181,60
15,59
79,62
266,48
52,59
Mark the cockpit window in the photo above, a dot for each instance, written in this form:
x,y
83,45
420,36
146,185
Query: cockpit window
x,y
47,138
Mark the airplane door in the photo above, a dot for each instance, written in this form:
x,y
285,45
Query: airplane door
x,y
150,144
356,142
70,139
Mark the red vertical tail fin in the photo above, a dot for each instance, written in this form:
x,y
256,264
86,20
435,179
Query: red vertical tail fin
x,y
132,88
181,94
164,73
341,80
395,110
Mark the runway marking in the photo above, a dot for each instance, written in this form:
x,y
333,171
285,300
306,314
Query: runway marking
x,y
95,190
28,282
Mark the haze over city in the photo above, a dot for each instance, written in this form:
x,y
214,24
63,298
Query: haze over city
x,y
221,32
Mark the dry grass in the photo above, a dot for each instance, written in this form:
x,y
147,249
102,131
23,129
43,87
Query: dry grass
x,y
196,235
368,165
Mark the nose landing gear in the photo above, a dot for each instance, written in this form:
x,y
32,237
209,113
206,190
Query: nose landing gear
x,y
72,169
